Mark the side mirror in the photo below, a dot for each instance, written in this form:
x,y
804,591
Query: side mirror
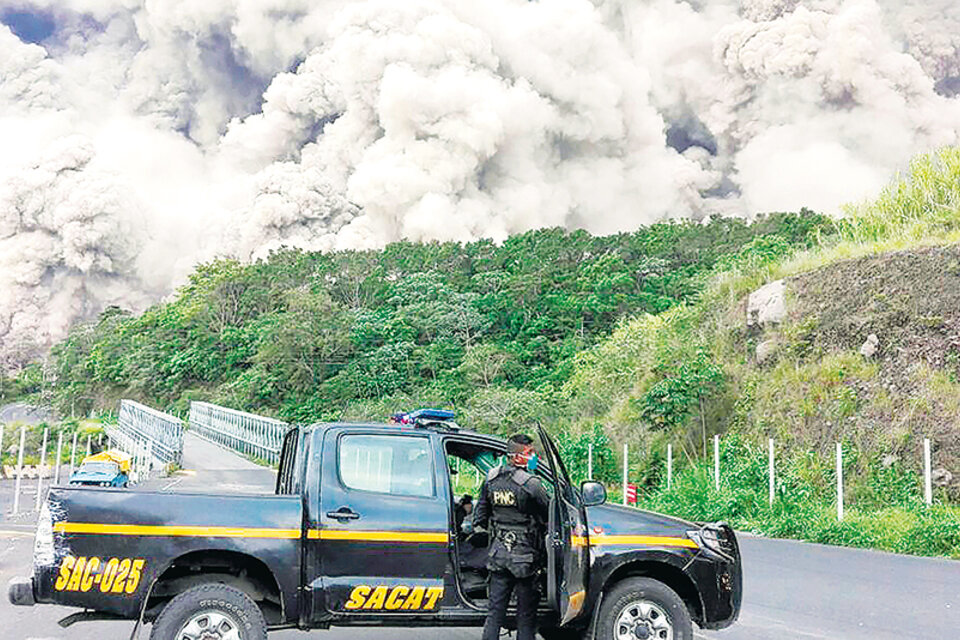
x,y
593,493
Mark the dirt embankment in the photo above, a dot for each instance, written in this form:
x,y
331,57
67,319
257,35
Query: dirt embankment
x,y
888,398
910,300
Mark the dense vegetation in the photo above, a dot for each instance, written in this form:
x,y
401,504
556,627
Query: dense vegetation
x,y
490,329
885,508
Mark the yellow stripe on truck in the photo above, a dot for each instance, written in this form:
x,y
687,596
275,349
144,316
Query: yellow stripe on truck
x,y
248,532
174,530
440,537
644,541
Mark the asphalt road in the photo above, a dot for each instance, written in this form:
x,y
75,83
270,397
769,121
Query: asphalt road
x,y
20,412
792,589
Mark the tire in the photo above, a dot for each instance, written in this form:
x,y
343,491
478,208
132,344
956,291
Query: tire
x,y
643,601
215,603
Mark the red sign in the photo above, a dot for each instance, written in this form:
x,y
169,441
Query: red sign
x,y
631,493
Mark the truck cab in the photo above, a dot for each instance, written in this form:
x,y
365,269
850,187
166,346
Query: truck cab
x,y
385,546
363,531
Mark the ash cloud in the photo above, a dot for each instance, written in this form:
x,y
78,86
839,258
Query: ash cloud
x,y
142,137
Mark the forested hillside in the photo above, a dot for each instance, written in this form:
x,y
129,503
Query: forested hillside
x,y
492,330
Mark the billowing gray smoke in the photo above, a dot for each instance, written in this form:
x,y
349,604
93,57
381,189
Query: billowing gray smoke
x,y
141,136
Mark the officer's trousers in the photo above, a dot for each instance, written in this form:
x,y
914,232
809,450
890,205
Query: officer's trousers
x,y
502,583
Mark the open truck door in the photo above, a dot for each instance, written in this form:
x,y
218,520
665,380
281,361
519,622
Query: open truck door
x,y
568,544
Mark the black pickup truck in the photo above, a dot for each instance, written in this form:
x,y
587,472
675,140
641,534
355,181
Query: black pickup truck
x,y
362,531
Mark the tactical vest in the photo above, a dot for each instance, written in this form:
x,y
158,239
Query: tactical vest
x,y
516,533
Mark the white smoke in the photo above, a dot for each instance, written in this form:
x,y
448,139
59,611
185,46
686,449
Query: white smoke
x,y
143,136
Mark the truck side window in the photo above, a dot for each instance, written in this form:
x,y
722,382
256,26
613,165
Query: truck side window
x,y
287,475
397,465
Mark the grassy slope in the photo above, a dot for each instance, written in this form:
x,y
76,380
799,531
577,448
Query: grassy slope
x,y
894,270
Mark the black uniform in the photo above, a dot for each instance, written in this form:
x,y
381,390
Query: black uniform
x,y
516,506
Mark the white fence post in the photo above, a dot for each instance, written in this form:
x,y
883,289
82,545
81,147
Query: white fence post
x,y
626,463
927,481
770,444
88,445
839,481
73,454
590,461
716,462
16,495
149,460
56,468
43,464
669,466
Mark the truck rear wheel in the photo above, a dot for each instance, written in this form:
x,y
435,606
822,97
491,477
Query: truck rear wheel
x,y
643,609
210,612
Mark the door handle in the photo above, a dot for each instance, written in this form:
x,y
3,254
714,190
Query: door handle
x,y
343,513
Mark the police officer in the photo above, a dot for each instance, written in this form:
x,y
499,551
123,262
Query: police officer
x,y
513,506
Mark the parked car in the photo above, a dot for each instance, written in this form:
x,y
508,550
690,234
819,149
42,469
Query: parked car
x,y
106,469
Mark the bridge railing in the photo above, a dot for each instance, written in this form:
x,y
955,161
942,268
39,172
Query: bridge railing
x,y
153,438
246,433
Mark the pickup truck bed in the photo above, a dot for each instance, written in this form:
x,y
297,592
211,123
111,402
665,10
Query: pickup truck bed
x,y
157,528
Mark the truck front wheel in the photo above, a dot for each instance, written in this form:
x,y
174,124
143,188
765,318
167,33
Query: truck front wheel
x,y
643,609
210,612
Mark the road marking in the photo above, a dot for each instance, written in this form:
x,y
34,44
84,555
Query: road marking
x,y
16,534
175,482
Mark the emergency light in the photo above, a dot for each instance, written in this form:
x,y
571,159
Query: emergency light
x,y
424,417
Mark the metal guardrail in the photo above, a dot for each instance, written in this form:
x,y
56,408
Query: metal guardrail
x,y
161,430
245,433
148,433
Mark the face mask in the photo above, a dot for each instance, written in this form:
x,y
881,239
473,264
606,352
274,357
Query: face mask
x,y
532,463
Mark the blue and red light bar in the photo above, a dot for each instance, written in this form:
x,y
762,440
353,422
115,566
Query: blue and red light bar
x,y
423,417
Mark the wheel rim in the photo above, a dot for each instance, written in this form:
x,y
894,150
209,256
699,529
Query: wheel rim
x,y
643,620
209,625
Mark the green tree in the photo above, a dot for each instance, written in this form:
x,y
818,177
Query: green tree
x,y
669,403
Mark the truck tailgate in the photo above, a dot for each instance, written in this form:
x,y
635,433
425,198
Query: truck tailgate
x,y
109,546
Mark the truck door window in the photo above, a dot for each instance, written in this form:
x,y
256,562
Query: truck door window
x,y
395,465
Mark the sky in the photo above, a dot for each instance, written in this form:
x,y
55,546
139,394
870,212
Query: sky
x,y
142,137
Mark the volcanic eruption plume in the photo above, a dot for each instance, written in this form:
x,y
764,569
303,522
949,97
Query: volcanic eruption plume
x,y
141,137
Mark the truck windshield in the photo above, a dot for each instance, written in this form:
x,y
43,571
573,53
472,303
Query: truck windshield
x,y
99,467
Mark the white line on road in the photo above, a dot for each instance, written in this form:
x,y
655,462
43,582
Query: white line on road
x,y
175,482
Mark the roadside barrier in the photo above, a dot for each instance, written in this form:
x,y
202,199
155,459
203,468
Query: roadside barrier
x,y
771,471
22,471
153,438
246,433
